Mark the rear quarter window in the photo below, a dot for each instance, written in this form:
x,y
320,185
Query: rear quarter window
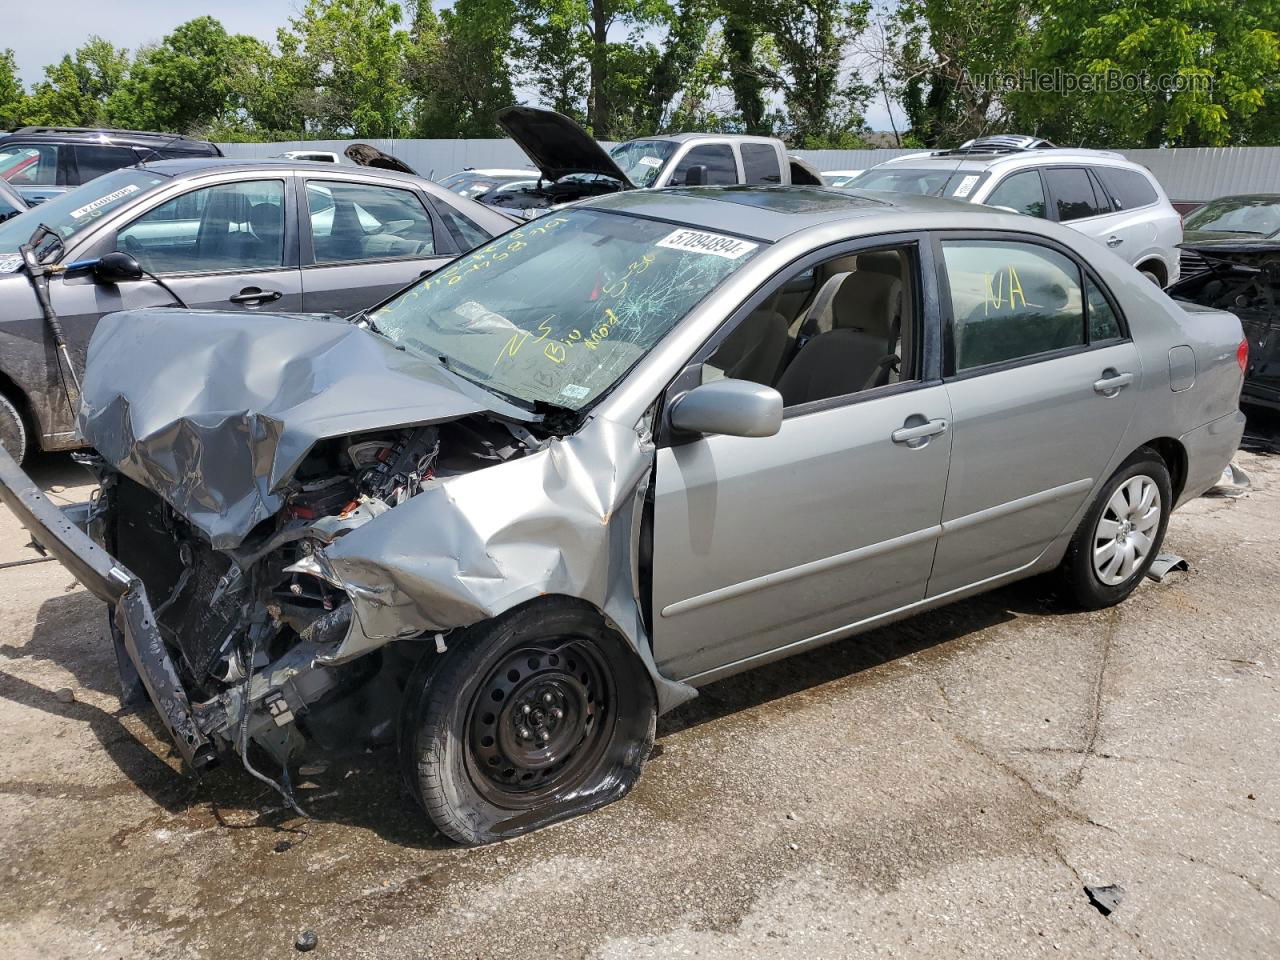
x,y
1128,188
760,163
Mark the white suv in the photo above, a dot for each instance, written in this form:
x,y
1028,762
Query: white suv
x,y
1101,194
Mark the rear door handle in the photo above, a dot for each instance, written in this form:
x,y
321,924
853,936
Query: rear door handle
x,y
1112,383
917,436
1114,241
256,295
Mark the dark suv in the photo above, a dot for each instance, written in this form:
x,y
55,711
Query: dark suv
x,y
42,162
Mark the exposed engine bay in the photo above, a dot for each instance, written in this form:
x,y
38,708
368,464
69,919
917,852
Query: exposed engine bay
x,y
546,194
251,624
1243,277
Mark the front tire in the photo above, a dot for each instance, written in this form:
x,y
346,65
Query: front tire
x,y
534,717
13,430
1121,533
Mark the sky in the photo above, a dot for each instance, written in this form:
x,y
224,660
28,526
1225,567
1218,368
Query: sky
x,y
41,35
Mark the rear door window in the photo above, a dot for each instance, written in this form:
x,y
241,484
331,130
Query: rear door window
x,y
760,163
716,157
95,159
1073,193
1128,188
1022,192
1011,301
361,221
29,165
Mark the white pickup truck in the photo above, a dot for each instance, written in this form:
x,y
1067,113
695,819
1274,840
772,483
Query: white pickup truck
x,y
572,165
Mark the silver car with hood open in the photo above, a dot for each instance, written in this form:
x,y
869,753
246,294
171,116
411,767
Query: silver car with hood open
x,y
622,451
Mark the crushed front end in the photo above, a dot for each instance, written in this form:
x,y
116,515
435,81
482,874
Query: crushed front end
x,y
240,641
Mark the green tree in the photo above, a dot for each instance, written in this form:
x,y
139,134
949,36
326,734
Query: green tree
x,y
349,59
76,90
458,67
13,98
1225,55
942,57
188,83
823,98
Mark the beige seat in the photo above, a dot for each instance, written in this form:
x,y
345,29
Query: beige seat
x,y
856,351
754,349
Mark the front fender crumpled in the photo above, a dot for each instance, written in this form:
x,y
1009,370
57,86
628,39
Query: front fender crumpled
x,y
563,521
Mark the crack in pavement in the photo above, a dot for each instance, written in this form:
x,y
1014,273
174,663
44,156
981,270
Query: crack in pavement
x,y
1095,714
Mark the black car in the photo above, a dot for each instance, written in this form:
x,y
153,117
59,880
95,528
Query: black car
x,y
42,162
1242,274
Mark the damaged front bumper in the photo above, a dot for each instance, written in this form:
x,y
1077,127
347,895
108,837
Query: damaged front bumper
x,y
112,582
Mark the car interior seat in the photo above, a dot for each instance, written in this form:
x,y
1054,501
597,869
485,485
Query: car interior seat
x,y
346,236
267,223
754,349
852,342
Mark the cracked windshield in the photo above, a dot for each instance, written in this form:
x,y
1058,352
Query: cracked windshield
x,y
557,311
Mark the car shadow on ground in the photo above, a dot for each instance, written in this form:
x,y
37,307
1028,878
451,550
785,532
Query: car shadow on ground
x,y
937,629
363,787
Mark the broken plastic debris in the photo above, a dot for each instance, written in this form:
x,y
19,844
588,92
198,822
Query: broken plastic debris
x,y
1234,482
1105,898
440,647
1164,564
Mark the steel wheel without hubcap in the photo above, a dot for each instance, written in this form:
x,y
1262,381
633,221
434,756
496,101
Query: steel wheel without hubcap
x,y
540,719
1126,531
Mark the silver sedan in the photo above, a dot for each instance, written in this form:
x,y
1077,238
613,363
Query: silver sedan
x,y
621,452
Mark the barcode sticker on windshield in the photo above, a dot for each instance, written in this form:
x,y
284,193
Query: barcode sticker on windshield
x,y
715,244
965,186
649,162
103,201
575,392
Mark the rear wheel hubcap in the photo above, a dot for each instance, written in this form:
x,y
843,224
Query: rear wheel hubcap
x,y
1126,531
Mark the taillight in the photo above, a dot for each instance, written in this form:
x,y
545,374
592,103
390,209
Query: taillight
x,y
1242,355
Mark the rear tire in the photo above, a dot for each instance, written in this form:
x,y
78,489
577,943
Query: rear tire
x,y
13,430
1120,535
534,717
1152,276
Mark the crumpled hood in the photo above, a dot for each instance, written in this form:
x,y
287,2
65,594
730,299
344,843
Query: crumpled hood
x,y
1255,253
214,411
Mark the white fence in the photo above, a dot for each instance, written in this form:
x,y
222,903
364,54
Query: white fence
x,y
1187,173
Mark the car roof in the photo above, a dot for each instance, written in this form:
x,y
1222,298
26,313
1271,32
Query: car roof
x,y
773,212
1024,158
106,135
685,137
193,166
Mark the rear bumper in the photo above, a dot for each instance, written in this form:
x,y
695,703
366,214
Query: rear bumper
x,y
112,582
1210,449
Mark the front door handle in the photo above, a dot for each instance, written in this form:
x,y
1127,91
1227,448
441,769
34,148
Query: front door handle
x,y
256,295
917,435
1112,383
1114,241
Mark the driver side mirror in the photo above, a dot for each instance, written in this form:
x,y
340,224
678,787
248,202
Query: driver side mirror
x,y
732,408
117,268
696,175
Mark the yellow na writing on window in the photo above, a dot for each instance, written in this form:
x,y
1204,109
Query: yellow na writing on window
x,y
1002,289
